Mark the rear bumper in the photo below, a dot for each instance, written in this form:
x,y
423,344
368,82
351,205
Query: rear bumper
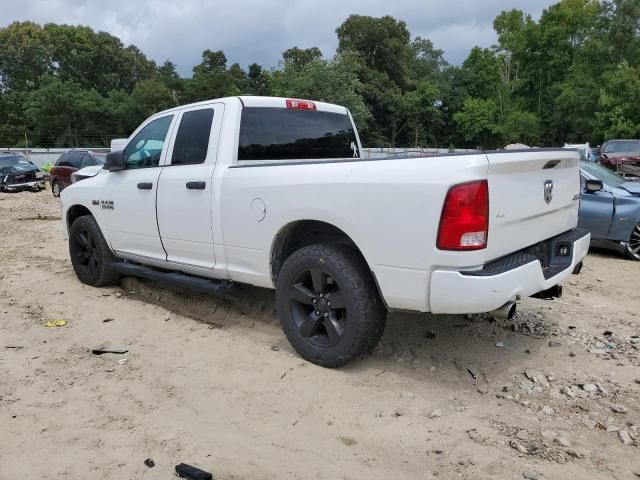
x,y
516,276
35,185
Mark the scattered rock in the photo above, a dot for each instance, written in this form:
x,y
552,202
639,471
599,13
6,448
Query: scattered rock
x,y
429,335
624,437
435,414
483,390
589,423
572,354
522,435
575,453
618,408
460,408
518,446
348,441
275,348
530,475
563,442
398,412
499,344
536,376
589,387
477,436
547,410
568,391
554,344
548,435
118,294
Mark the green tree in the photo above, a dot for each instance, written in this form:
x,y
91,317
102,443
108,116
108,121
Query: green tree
x,y
383,44
63,114
211,79
297,57
518,127
333,81
257,80
477,122
619,103
24,56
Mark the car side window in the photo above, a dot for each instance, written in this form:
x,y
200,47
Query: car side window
x,y
144,150
63,161
192,139
86,161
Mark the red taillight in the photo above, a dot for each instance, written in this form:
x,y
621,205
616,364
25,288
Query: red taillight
x,y
301,105
464,223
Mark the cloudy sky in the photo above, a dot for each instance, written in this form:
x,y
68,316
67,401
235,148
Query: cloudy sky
x,y
260,30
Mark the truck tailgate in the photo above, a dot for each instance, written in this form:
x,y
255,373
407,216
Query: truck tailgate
x,y
533,195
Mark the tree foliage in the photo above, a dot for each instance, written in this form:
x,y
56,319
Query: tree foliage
x,y
573,75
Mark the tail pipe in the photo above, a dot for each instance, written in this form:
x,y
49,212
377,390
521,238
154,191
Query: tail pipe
x,y
505,312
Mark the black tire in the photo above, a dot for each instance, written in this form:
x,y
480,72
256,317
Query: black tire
x,y
325,333
55,188
632,249
90,254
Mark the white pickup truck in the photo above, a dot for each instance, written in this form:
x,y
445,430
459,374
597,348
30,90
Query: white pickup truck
x,y
274,192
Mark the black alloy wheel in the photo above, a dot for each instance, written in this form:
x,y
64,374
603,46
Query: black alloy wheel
x,y
318,307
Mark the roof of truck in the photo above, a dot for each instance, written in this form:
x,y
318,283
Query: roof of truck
x,y
258,101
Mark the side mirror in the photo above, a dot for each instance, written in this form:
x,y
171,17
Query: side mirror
x,y
594,186
115,161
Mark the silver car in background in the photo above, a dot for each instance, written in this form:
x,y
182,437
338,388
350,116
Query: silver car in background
x,y
610,209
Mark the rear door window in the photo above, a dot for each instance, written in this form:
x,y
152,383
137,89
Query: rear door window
x,y
285,134
192,139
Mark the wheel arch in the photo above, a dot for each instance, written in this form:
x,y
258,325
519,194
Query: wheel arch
x,y
300,233
74,212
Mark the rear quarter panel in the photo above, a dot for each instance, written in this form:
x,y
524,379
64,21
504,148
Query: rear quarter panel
x,y
390,208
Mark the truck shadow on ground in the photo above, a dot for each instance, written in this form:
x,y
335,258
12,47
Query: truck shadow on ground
x,y
472,349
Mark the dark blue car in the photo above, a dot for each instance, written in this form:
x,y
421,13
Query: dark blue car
x,y
610,209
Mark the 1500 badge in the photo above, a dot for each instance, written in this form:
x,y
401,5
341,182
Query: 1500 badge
x,y
106,204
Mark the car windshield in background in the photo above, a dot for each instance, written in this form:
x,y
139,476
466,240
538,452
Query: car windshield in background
x,y
100,159
603,174
623,146
283,134
15,163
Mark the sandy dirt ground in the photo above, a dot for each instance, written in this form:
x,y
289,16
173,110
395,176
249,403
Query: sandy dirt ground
x,y
213,382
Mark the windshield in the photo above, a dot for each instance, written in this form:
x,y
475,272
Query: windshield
x,y
14,163
100,159
623,146
603,174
